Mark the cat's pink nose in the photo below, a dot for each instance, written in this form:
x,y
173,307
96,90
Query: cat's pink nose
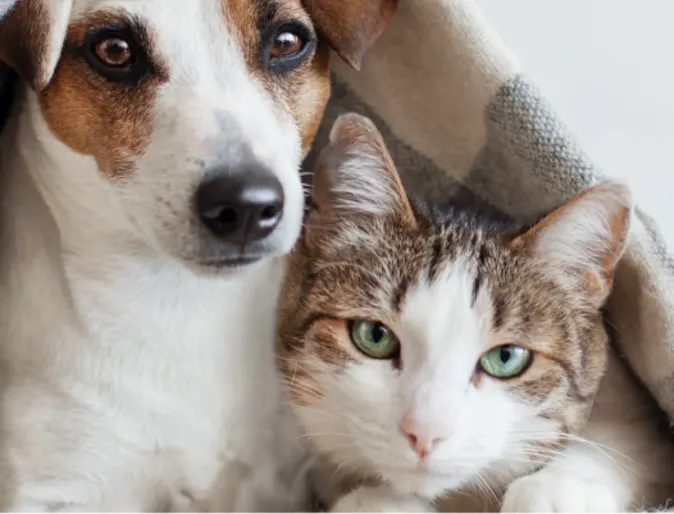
x,y
422,439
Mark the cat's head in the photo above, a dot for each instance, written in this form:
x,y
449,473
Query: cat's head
x,y
427,353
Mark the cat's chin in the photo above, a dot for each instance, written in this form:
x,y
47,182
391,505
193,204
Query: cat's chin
x,y
424,484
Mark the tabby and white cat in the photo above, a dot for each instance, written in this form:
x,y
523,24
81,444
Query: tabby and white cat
x,y
428,353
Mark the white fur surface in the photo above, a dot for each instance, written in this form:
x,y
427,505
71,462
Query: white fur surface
x,y
379,499
59,13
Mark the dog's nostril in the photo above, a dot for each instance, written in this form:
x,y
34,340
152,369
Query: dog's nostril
x,y
270,212
221,219
228,216
224,214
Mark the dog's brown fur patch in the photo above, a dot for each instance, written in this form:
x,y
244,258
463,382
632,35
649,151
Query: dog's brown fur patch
x,y
242,17
24,38
351,26
308,93
303,92
93,116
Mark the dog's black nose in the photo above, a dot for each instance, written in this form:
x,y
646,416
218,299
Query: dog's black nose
x,y
241,207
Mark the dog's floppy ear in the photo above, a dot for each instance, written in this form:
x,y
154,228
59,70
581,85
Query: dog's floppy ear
x,y
351,26
31,36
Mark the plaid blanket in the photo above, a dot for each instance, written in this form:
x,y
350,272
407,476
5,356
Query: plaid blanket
x,y
464,122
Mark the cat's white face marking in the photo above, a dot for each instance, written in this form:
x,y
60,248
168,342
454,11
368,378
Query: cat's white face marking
x,y
475,425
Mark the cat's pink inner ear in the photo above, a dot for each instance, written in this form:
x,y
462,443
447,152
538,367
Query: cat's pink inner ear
x,y
585,237
356,175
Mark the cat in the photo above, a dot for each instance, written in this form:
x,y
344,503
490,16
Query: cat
x,y
430,355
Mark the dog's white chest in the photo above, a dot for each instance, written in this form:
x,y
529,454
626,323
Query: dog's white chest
x,y
169,388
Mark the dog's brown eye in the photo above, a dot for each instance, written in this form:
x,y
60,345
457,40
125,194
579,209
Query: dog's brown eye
x,y
118,53
286,44
114,52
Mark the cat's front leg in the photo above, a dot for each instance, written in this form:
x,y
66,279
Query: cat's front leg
x,y
380,499
581,479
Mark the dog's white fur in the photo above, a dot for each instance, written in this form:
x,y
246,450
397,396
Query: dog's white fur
x,y
130,379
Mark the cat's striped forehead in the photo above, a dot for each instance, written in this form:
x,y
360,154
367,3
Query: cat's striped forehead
x,y
372,268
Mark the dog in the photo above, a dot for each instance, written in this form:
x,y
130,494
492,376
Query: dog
x,y
149,188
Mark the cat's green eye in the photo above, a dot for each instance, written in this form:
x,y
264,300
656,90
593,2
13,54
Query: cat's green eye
x,y
374,339
505,361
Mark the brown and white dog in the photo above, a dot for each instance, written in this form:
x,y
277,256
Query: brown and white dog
x,y
150,183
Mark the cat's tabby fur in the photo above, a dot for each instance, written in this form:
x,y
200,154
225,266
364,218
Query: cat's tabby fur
x,y
452,287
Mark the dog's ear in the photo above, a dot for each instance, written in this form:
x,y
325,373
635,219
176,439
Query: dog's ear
x,y
351,26
31,36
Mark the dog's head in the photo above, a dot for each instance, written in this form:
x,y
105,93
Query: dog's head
x,y
194,114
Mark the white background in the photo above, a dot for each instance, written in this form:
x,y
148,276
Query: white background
x,y
607,67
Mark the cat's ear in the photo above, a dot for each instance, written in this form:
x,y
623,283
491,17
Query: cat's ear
x,y
585,238
355,174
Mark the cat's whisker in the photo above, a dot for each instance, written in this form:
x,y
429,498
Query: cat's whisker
x,y
335,413
342,467
295,368
577,439
606,451
294,384
298,387
342,447
324,434
529,457
486,488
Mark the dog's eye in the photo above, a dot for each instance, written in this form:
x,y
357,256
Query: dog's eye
x,y
287,46
114,52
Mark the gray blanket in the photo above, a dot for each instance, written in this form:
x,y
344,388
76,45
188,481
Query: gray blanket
x,y
464,123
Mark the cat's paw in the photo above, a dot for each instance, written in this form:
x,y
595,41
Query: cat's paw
x,y
379,499
554,492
